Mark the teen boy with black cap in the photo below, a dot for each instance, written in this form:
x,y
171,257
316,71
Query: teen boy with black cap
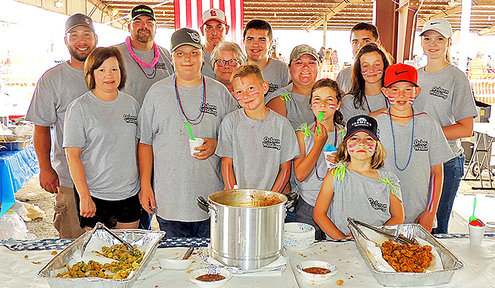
x,y
179,178
53,93
145,61
418,156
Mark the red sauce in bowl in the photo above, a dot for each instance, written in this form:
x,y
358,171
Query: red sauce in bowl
x,y
210,277
316,270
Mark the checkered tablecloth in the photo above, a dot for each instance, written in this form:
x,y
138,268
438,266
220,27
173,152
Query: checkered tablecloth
x,y
60,244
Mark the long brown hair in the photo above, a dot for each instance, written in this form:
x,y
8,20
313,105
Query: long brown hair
x,y
358,83
95,60
326,82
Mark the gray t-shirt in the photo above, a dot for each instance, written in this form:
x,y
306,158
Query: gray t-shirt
x,y
310,187
362,198
276,74
429,148
297,105
106,131
140,79
344,79
207,69
178,177
446,96
53,93
375,102
250,142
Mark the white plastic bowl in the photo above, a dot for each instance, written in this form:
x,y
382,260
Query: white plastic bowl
x,y
175,264
298,236
210,270
316,277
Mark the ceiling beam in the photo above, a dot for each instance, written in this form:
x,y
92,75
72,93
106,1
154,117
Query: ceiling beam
x,y
317,23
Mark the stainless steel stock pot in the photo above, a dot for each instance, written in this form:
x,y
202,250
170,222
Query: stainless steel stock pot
x,y
247,226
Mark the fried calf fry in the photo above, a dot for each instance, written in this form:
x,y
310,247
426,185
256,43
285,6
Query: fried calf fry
x,y
407,257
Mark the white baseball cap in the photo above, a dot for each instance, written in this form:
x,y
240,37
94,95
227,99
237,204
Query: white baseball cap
x,y
214,14
440,25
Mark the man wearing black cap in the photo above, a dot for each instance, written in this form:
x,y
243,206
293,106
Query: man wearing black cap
x,y
145,61
180,177
53,93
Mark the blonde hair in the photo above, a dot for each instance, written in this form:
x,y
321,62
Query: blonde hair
x,y
246,70
377,160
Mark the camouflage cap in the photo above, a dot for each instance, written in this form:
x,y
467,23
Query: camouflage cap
x,y
301,50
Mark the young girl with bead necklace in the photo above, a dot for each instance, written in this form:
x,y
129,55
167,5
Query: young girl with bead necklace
x,y
365,95
418,156
358,187
447,97
310,168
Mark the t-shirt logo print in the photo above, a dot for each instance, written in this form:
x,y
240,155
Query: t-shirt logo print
x,y
194,37
439,92
420,145
128,118
377,205
272,143
209,109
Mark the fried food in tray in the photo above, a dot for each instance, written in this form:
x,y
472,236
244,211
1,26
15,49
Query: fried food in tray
x,y
120,269
407,257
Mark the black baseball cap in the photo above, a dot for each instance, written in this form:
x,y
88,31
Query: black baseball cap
x,y
361,123
78,19
141,10
185,36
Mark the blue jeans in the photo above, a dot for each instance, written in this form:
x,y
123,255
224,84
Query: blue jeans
x,y
184,229
145,222
453,171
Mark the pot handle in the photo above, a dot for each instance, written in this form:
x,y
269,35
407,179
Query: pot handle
x,y
203,204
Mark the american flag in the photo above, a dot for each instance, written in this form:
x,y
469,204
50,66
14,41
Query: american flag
x,y
188,13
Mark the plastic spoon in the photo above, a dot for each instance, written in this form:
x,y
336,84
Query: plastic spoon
x,y
320,117
473,218
190,131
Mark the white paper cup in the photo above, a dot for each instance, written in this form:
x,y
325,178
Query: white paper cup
x,y
329,164
195,143
476,234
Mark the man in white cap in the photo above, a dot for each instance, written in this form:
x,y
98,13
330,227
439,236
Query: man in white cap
x,y
145,61
54,91
214,29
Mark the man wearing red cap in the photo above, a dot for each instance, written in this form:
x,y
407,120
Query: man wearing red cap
x,y
145,61
214,28
53,93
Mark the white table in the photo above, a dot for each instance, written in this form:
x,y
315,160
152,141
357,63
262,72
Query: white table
x,y
479,269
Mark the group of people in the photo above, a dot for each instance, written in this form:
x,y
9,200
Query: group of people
x,y
122,118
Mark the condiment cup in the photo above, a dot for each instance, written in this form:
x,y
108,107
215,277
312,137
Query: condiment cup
x,y
195,143
476,234
210,270
175,264
313,263
298,236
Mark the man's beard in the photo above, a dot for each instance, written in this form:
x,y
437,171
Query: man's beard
x,y
144,38
75,54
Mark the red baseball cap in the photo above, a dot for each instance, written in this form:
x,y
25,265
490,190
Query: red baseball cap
x,y
401,72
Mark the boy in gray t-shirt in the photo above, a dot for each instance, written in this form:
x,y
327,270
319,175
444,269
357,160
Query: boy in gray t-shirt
x,y
254,135
164,140
416,146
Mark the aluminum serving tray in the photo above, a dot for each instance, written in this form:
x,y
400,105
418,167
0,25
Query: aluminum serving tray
x,y
143,239
401,279
18,144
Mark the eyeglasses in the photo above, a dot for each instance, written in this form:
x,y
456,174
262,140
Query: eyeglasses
x,y
231,62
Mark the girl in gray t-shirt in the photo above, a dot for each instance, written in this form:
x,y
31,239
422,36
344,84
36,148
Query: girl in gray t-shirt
x,y
310,168
358,188
365,95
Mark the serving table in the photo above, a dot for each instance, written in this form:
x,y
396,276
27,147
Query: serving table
x,y
21,261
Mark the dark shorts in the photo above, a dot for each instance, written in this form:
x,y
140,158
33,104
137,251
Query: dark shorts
x,y
110,212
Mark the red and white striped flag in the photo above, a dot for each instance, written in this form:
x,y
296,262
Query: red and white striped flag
x,y
188,13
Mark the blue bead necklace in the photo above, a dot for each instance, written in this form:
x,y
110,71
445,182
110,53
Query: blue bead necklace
x,y
393,138
201,109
